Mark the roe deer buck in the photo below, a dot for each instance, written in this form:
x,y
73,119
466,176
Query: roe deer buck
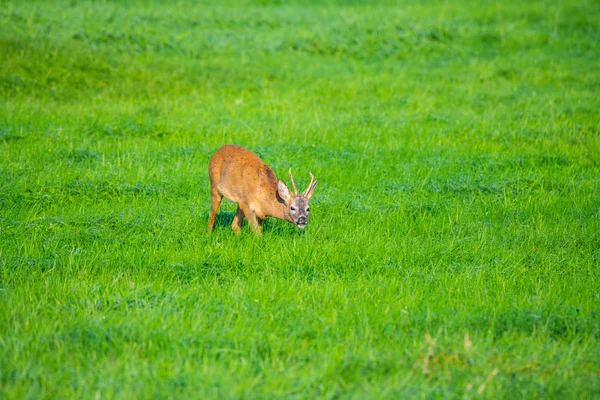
x,y
240,175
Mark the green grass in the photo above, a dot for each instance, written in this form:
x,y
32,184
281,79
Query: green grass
x,y
453,245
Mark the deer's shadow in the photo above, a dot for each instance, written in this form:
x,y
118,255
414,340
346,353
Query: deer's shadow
x,y
223,219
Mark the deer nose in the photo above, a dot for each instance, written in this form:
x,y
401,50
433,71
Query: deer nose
x,y
302,220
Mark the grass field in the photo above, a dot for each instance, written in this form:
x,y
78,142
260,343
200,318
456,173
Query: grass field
x,y
453,248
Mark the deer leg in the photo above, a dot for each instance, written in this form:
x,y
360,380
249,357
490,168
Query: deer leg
x,y
238,219
260,224
252,220
215,198
256,226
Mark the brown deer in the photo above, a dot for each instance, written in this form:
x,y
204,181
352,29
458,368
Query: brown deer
x,y
240,175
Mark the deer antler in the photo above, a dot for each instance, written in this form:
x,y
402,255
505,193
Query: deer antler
x,y
310,185
292,179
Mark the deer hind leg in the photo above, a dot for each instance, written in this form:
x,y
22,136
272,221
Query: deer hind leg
x,y
215,198
238,219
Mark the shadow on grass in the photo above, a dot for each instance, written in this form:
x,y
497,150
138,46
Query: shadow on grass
x,y
224,219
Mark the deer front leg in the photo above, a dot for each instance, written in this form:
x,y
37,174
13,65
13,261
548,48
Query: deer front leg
x,y
252,219
238,220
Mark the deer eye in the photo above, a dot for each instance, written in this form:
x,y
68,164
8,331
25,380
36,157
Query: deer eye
x,y
293,208
308,209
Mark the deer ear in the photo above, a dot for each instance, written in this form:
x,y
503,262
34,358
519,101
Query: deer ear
x,y
282,190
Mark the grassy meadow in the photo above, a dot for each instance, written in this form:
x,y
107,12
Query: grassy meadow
x,y
453,247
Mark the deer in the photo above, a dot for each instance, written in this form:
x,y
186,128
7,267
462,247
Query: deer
x,y
242,177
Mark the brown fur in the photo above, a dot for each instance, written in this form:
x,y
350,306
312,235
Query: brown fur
x,y
240,175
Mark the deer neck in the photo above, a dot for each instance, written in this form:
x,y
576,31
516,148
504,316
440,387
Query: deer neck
x,y
278,209
273,205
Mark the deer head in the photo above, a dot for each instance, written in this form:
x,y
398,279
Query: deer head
x,y
297,208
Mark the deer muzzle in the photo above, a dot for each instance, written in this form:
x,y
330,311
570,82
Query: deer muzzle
x,y
301,222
